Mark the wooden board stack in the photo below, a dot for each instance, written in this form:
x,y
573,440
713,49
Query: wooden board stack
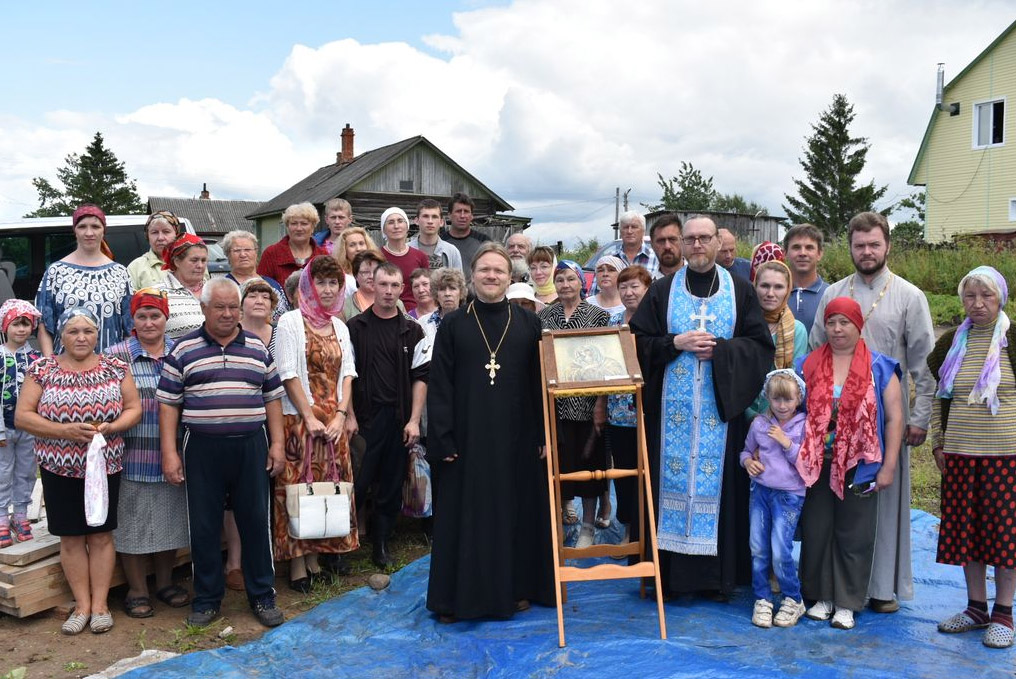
x,y
31,579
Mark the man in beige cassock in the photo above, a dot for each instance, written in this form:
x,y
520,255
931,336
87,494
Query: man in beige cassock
x,y
897,323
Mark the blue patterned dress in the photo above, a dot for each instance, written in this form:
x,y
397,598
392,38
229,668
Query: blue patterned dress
x,y
105,290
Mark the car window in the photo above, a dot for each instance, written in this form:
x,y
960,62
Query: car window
x,y
17,249
58,246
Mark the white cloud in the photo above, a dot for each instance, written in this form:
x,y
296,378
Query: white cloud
x,y
555,104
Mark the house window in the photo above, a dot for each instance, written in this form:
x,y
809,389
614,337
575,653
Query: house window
x,y
989,123
406,186
1012,209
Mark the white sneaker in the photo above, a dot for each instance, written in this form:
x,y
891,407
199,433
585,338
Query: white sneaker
x,y
585,538
790,612
822,610
762,616
843,619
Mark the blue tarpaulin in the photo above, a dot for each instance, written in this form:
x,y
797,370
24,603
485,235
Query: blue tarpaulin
x,y
610,633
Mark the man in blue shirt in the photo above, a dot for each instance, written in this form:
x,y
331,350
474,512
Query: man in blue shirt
x,y
727,257
803,247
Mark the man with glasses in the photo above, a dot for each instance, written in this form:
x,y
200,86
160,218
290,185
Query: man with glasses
x,y
704,348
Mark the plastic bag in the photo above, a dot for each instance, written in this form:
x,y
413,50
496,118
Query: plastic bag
x,y
96,488
416,492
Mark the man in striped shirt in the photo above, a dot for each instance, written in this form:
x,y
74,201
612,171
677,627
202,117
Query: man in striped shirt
x,y
221,383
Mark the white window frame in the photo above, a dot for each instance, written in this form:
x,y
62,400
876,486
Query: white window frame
x,y
974,108
1012,209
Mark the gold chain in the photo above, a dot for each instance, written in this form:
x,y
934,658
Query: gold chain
x,y
492,366
877,299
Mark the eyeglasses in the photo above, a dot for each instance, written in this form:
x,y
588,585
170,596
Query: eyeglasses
x,y
695,240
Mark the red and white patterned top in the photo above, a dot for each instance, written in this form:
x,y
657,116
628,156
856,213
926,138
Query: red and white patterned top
x,y
67,396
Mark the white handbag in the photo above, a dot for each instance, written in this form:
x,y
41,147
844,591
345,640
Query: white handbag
x,y
320,509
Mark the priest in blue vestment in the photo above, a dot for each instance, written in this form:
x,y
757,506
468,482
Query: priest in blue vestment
x,y
704,348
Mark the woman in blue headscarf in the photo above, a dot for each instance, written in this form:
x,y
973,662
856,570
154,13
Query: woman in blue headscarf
x,y
580,419
973,438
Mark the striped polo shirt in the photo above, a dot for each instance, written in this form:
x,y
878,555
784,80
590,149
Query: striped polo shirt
x,y
222,389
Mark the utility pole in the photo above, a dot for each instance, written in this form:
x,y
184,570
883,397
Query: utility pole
x,y
617,209
626,199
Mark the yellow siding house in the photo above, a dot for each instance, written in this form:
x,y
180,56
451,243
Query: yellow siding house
x,y
967,159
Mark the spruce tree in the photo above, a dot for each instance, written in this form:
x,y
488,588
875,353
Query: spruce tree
x,y
96,177
829,196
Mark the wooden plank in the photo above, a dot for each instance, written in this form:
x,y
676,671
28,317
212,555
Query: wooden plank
x,y
39,547
17,575
51,589
35,509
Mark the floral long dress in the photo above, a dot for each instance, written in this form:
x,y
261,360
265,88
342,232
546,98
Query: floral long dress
x,y
324,360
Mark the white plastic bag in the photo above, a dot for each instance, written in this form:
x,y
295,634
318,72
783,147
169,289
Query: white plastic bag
x,y
96,489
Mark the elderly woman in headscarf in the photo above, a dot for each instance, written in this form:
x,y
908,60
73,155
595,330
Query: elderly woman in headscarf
x,y
973,438
68,399
851,443
607,296
773,283
580,419
162,228
152,513
316,365
88,277
185,262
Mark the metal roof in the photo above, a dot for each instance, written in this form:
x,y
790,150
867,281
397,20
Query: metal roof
x,y
208,216
333,180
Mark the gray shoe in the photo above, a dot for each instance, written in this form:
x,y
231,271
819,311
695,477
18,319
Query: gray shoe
x,y
268,614
202,618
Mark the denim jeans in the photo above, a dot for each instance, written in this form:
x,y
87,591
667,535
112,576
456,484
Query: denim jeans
x,y
773,515
17,473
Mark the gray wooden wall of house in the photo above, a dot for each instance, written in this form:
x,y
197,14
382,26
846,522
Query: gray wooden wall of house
x,y
748,228
429,174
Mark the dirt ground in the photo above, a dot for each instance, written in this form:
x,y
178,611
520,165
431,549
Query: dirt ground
x,y
36,646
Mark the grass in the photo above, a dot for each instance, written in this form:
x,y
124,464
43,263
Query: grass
x,y
924,480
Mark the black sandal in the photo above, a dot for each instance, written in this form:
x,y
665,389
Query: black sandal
x,y
138,607
173,595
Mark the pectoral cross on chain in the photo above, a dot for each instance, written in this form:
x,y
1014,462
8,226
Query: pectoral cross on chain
x,y
701,316
493,366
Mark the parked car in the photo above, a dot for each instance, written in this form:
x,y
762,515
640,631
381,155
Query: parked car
x,y
28,246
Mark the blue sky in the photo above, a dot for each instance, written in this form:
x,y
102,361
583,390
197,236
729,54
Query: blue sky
x,y
226,50
552,103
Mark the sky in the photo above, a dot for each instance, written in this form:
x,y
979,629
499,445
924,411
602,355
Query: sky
x,y
551,103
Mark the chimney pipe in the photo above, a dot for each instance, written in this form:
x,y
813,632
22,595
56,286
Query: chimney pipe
x,y
204,192
346,155
953,109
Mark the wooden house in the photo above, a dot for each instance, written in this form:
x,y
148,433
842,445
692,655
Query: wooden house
x,y
400,174
967,159
752,229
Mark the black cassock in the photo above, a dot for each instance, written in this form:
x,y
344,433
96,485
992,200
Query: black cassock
x,y
492,543
740,365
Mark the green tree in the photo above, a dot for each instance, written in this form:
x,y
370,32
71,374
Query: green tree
x,y
582,250
688,191
911,232
735,202
94,177
829,196
917,202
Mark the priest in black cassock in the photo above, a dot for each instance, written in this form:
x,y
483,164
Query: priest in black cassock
x,y
492,551
704,348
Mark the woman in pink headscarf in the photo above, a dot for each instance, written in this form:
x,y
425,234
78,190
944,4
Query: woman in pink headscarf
x,y
316,365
